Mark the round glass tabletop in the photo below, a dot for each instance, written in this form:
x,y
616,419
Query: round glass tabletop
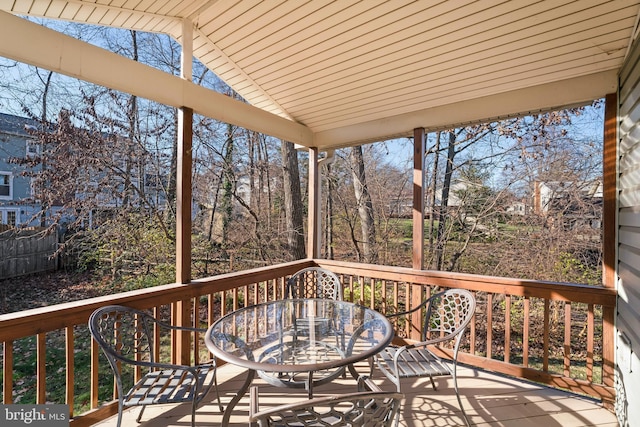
x,y
299,335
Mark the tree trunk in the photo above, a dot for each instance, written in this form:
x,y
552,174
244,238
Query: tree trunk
x,y
432,190
227,190
292,201
329,216
444,202
365,206
172,182
44,208
132,121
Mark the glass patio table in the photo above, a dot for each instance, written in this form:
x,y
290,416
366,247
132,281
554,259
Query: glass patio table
x,y
297,341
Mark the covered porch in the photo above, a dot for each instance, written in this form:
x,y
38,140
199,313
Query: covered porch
x,y
327,75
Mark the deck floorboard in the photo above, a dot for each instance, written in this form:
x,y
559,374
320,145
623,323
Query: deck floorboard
x,y
490,400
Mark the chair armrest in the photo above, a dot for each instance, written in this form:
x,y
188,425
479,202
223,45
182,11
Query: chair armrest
x,y
159,365
414,309
169,326
365,383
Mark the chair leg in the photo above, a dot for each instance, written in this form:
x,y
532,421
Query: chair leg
x,y
455,387
120,408
140,414
433,383
215,387
310,385
194,405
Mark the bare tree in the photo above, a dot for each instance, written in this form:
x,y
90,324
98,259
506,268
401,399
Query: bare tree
x,y
365,206
292,201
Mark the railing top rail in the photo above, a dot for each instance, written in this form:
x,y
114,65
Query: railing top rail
x,y
44,319
557,291
34,321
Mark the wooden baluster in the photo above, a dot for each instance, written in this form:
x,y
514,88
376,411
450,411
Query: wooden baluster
x,y
567,339
372,282
210,308
489,325
472,335
525,332
174,337
545,340
137,371
590,343
196,324
256,291
95,352
223,304
69,360
396,297
407,306
350,288
507,328
384,302
41,371
7,373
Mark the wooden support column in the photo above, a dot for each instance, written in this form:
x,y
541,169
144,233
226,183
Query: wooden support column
x,y
314,216
417,292
183,196
183,228
610,192
184,166
182,309
609,232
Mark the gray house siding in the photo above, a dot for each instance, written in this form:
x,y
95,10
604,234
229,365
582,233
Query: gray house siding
x,y
628,318
14,138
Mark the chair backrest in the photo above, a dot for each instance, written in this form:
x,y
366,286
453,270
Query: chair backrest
x,y
314,282
369,408
124,334
448,314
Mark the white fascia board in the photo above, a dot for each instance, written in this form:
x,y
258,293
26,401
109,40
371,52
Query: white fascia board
x,y
560,94
33,44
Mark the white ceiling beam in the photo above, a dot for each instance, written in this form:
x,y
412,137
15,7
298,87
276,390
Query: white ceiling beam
x,y
545,97
36,45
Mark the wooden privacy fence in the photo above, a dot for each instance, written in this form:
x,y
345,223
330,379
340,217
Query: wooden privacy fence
x,y
27,251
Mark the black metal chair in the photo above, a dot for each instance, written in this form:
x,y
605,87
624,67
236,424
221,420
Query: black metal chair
x,y
126,336
447,315
370,407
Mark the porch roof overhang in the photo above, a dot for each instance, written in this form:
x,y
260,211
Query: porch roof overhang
x,y
331,74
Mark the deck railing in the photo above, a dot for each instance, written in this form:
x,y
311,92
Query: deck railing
x,y
553,333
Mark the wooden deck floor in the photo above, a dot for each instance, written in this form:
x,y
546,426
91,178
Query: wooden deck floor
x,y
489,399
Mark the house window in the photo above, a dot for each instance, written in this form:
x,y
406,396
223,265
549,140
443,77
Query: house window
x,y
33,148
5,185
9,217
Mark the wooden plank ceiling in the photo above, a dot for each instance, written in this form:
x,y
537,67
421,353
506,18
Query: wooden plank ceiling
x,y
359,71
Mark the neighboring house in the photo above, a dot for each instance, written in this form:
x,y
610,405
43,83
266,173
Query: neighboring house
x,y
17,204
403,206
518,208
16,142
573,203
